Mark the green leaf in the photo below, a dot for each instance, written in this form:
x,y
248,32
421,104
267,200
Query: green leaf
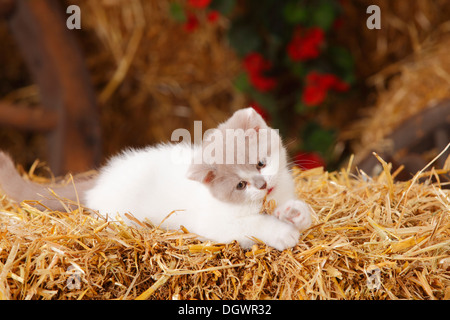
x,y
225,7
315,138
300,108
323,16
177,12
349,77
298,69
343,63
341,58
267,101
243,38
294,13
241,82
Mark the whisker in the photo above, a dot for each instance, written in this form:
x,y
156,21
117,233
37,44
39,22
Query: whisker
x,y
292,141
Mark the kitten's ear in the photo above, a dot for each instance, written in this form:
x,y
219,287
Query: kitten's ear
x,y
245,119
204,173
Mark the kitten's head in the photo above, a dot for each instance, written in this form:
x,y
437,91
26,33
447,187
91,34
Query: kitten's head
x,y
241,159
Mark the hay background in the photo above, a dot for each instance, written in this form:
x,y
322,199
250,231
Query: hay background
x,y
361,224
151,77
150,82
403,68
419,81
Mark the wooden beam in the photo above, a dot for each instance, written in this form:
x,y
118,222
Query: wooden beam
x,y
6,7
429,129
57,65
27,118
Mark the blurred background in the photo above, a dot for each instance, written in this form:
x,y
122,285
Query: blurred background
x,y
313,69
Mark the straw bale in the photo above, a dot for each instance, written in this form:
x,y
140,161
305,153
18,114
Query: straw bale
x,y
152,76
404,26
404,89
372,238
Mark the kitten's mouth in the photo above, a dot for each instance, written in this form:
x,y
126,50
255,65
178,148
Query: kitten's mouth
x,y
270,190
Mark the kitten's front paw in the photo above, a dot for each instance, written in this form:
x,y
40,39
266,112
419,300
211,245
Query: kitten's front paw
x,y
296,212
284,237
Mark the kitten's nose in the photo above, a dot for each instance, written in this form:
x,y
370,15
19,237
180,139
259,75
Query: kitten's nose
x,y
260,183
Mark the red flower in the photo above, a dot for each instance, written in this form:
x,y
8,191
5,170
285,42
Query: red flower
x,y
309,160
255,64
324,81
199,3
317,86
213,16
340,86
313,95
330,81
262,83
263,113
192,23
305,45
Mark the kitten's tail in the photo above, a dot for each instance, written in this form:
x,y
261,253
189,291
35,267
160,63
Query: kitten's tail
x,y
19,189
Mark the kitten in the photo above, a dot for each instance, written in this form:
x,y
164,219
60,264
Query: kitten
x,y
216,194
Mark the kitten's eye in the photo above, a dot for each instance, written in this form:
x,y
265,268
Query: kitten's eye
x,y
261,164
241,185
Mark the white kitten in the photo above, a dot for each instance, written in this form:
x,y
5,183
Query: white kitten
x,y
216,199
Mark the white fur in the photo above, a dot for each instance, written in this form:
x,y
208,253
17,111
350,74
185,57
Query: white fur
x,y
152,183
